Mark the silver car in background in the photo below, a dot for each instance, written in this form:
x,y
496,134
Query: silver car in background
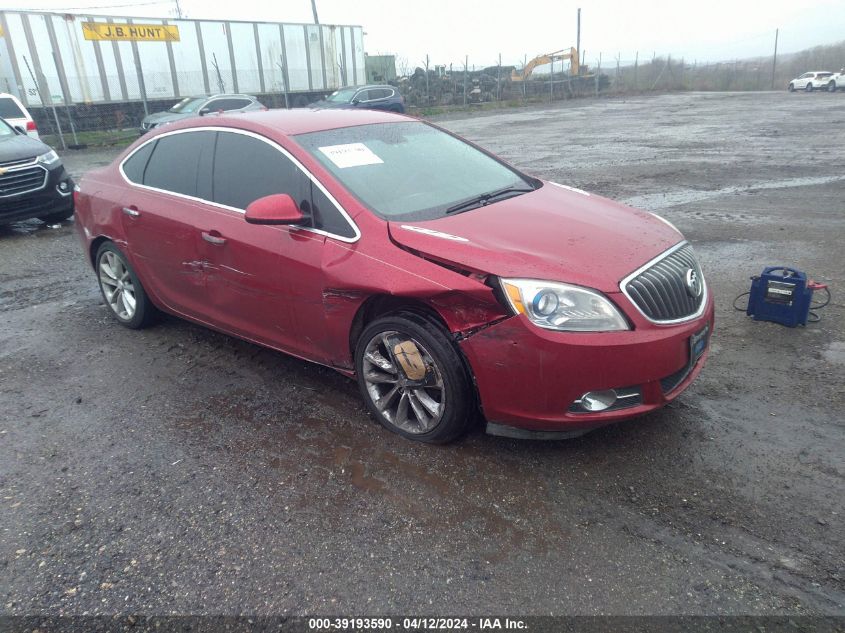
x,y
199,106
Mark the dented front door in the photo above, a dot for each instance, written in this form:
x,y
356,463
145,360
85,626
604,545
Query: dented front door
x,y
261,280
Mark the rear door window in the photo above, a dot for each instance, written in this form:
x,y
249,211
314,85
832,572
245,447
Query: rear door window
x,y
136,164
10,110
174,164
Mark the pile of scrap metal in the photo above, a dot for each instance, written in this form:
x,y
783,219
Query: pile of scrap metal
x,y
445,87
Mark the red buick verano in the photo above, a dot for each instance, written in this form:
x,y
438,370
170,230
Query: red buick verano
x,y
447,281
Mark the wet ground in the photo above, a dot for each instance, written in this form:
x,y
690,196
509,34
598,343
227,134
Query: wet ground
x,y
176,470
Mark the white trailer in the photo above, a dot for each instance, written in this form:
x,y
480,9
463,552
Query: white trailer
x,y
51,59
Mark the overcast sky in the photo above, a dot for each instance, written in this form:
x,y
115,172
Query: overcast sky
x,y
450,29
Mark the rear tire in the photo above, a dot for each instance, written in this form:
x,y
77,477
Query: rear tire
x,y
831,87
436,408
121,289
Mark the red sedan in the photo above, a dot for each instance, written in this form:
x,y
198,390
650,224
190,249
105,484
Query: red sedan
x,y
445,280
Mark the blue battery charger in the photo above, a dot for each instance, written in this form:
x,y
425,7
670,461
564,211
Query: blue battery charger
x,y
781,295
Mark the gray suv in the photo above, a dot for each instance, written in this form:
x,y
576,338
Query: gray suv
x,y
198,106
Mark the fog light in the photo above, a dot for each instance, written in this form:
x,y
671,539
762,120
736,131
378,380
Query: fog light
x,y
598,400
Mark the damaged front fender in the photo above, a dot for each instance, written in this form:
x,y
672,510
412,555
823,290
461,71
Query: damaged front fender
x,y
356,281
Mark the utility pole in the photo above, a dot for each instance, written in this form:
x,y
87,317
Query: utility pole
x,y
578,34
598,76
466,67
427,91
775,58
524,66
618,56
636,68
499,78
314,9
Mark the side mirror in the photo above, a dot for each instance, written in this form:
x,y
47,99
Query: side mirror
x,y
279,208
356,102
204,111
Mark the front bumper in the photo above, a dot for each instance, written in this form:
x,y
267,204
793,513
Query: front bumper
x,y
529,378
45,201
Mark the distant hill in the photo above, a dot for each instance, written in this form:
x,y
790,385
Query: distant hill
x,y
668,73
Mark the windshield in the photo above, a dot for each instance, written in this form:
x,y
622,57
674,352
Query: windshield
x,y
410,171
188,104
5,129
344,95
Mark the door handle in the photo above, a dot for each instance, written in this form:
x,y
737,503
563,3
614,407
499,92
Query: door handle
x,y
211,238
132,212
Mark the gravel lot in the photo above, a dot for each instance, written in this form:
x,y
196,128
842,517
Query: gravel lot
x,y
176,470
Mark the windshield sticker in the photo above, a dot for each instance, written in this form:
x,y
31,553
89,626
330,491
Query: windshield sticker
x,y
568,188
350,155
433,233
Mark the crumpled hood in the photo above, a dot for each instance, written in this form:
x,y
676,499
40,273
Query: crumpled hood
x,y
20,147
553,233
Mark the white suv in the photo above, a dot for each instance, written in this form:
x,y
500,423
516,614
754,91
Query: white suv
x,y
811,81
837,81
16,114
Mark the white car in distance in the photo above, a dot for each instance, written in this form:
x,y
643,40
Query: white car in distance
x,y
836,81
815,80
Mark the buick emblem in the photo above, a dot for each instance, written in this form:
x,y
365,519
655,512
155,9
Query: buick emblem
x,y
694,285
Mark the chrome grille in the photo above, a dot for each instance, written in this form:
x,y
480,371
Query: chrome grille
x,y
18,181
660,289
15,163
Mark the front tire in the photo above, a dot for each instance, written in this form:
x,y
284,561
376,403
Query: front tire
x,y
831,87
791,87
413,379
122,291
809,87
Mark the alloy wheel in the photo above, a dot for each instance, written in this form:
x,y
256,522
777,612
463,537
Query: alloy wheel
x,y
117,285
404,382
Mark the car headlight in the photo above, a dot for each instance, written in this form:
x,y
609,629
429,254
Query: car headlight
x,y
48,159
563,307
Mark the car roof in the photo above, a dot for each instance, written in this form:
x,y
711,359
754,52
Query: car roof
x,y
292,122
367,86
220,94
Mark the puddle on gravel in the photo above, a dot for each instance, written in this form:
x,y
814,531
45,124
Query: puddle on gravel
x,y
835,353
348,459
662,200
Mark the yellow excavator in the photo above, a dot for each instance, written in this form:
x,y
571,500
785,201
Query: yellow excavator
x,y
571,54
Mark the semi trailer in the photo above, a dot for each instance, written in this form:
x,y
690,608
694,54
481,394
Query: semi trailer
x,y
91,62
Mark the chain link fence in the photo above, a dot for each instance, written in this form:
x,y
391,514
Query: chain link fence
x,y
431,88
